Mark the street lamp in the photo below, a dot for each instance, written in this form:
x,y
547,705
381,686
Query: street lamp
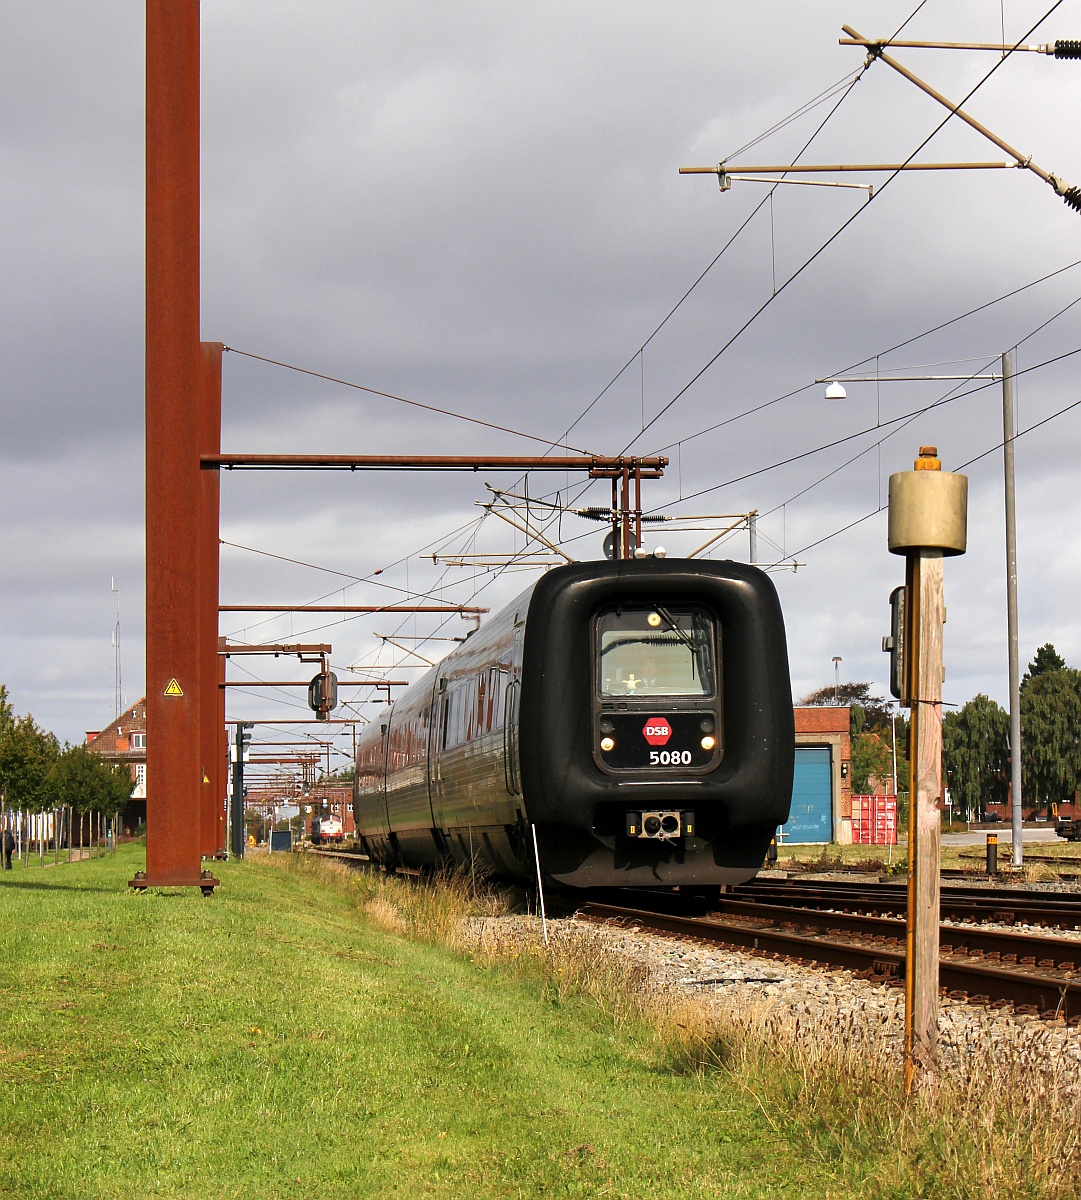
x,y
836,391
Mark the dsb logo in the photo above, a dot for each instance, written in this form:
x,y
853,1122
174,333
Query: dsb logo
x,y
657,731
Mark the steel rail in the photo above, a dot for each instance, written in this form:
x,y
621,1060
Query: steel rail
x,y
959,904
1028,991
1061,953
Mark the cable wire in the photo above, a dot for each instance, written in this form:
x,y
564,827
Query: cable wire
x,y
446,412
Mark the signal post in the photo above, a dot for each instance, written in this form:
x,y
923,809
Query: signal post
x,y
928,516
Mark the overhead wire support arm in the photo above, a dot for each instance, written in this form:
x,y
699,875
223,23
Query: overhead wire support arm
x,y
1071,195
599,466
1063,48
463,609
825,168
526,529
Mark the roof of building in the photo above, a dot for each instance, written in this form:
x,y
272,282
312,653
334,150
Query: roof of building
x,y
114,741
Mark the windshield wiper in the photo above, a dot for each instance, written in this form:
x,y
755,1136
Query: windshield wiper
x,y
693,644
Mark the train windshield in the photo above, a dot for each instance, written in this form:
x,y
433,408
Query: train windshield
x,y
656,652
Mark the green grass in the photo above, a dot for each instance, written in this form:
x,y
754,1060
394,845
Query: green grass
x,y
272,1041
830,856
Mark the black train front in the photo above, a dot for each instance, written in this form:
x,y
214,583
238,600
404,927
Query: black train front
x,y
638,713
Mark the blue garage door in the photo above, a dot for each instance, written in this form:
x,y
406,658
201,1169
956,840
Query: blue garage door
x,y
811,819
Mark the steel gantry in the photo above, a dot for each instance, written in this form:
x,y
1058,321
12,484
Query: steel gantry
x,y
185,676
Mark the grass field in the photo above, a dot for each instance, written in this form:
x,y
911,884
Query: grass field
x,y
1037,855
267,1042
316,1033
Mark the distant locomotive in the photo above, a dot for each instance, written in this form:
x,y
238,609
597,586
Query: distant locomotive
x,y
327,830
637,713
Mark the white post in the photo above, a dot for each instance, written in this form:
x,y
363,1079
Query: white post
x,y
540,884
1011,606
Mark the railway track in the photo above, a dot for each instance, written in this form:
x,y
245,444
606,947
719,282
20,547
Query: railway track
x,y
1035,975
1004,906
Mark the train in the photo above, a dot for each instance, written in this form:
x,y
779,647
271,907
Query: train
x,y
622,723
327,830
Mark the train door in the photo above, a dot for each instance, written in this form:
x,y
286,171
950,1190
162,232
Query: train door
x,y
437,729
512,706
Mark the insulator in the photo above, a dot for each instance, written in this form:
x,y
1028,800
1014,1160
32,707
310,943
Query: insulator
x,y
1072,196
1068,48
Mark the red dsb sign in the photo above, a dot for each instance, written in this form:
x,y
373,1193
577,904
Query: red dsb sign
x,y
657,731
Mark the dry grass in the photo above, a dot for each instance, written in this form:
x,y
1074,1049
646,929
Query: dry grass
x,y
1003,1123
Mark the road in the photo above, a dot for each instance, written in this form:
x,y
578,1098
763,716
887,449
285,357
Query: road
x,y
978,837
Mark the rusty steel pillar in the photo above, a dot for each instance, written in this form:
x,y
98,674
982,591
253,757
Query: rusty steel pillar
x,y
211,819
172,447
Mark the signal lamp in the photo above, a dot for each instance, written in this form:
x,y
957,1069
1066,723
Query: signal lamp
x,y
708,742
653,620
607,744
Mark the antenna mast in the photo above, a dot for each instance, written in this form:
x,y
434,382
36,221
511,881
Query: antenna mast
x,y
117,678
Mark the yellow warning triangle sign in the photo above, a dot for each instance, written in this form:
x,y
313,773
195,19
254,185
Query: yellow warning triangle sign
x,y
174,689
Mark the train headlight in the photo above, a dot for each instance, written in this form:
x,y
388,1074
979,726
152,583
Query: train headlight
x,y
607,744
708,742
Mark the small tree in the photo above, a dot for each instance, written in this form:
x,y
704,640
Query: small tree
x,y
874,710
871,755
7,714
27,754
75,779
1047,659
975,750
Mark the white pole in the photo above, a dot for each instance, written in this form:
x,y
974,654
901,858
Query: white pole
x,y
893,730
540,884
1011,605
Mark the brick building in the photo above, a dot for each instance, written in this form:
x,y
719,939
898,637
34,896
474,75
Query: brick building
x,y
821,790
124,740
335,800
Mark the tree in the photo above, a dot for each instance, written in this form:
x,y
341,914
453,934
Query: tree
x,y
7,714
1047,659
870,755
1050,729
27,754
975,754
89,783
874,710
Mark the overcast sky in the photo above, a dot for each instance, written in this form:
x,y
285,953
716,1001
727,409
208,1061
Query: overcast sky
x,y
477,206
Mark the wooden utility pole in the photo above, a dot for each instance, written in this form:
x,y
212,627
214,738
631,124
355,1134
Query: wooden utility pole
x,y
928,511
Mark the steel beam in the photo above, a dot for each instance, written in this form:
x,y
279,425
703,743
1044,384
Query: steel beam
x,y
597,465
172,445
463,609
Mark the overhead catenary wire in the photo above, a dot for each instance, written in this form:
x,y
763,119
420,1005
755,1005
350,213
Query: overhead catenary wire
x,y
446,412
852,79
485,585
847,83
825,245
948,399
872,357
